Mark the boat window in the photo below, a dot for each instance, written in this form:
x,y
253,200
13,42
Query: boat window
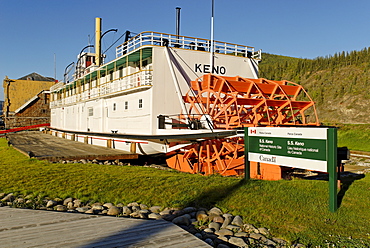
x,y
140,103
114,106
91,111
126,105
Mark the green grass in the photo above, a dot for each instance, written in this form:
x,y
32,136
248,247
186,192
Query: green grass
x,y
354,136
295,210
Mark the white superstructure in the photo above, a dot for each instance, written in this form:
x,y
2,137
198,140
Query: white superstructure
x,y
122,99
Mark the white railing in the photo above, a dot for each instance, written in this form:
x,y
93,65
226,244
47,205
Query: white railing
x,y
133,81
185,42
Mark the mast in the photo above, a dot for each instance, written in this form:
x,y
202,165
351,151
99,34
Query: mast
x,y
212,34
97,41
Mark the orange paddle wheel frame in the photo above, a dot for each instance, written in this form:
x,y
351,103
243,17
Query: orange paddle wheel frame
x,y
219,102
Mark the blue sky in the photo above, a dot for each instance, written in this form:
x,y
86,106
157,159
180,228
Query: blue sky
x,y
34,31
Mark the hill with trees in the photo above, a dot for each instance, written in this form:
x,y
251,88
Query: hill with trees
x,y
339,84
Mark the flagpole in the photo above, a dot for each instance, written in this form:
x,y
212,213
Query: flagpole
x,y
212,34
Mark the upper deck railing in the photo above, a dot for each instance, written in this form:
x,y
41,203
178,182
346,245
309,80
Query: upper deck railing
x,y
185,42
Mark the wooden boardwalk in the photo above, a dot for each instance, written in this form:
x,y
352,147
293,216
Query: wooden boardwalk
x,y
40,228
54,149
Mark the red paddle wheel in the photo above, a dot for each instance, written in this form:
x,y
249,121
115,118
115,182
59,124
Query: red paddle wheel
x,y
226,103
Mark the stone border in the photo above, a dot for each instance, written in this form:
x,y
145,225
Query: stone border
x,y
218,229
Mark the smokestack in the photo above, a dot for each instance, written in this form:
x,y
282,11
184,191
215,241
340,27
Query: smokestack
x,y
97,41
178,21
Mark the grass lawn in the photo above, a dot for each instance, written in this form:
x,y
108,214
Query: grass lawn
x,y
354,136
295,210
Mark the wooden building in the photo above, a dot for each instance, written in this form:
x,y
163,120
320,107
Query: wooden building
x,y
26,100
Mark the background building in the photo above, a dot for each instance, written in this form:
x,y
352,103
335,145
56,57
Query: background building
x,y
26,100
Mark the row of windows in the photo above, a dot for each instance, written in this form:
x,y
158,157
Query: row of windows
x,y
91,110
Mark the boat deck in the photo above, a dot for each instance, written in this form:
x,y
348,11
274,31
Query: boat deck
x,y
47,147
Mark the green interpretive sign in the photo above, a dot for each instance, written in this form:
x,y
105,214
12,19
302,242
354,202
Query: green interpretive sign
x,y
311,148
294,147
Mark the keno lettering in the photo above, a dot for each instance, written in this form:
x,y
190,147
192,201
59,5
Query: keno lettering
x,y
207,69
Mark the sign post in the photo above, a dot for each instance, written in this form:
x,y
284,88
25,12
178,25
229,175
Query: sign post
x,y
332,169
311,148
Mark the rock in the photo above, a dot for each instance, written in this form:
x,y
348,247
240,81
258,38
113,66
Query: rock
x,y
61,208
209,230
133,204
155,216
114,211
201,216
144,211
214,225
250,228
77,203
178,212
209,241
135,208
108,205
8,198
188,210
83,161
82,209
198,235
67,200
166,212
70,205
269,242
224,232
234,228
224,238
239,242
120,205
241,234
104,211
143,216
51,204
90,211
181,220
2,195
223,246
155,209
19,200
97,207
257,236
215,211
263,231
143,206
237,221
227,220
218,219
135,215
126,211
59,201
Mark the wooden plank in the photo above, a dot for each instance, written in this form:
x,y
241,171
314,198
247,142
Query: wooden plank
x,y
54,149
39,228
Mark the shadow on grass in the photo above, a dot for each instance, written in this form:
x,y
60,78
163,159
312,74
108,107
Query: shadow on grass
x,y
346,182
214,195
346,179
